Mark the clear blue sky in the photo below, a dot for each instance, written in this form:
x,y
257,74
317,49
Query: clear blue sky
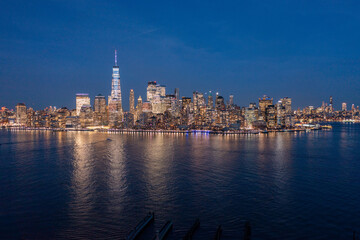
x,y
307,50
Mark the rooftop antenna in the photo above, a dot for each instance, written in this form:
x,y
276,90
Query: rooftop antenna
x,y
115,58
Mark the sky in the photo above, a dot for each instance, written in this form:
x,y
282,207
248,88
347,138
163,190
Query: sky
x,y
306,50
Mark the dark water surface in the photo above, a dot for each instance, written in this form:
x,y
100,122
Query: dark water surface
x,y
80,185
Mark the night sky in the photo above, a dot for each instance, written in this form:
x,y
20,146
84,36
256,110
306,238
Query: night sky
x,y
307,50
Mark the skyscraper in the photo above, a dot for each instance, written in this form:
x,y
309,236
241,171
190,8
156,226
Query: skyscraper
x,y
100,115
210,101
81,99
115,86
231,100
156,94
251,115
220,103
286,103
199,101
115,106
343,107
139,105
263,104
132,101
177,94
270,114
331,104
100,104
150,91
21,114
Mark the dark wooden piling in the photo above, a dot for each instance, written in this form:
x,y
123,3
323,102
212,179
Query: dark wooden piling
x,y
192,230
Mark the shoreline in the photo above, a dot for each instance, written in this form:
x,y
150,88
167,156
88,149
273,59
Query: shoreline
x,y
162,131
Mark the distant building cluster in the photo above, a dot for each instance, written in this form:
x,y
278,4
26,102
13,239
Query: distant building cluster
x,y
202,111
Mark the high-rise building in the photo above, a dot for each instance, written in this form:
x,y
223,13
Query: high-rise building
x,y
139,105
343,107
186,102
115,104
100,114
21,115
195,96
150,91
86,116
177,94
286,103
251,115
331,104
231,100
132,101
199,101
81,99
281,113
263,104
270,116
100,104
220,103
210,101
156,95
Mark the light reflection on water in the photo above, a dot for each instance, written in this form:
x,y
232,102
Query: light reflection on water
x,y
96,185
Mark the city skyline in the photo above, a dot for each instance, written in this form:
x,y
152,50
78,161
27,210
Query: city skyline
x,y
245,49
116,102
170,111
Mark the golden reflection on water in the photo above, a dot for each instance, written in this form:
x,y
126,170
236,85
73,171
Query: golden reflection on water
x,y
81,182
158,165
117,179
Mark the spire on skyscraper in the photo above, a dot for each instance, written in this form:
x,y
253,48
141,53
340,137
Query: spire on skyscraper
x,y
115,58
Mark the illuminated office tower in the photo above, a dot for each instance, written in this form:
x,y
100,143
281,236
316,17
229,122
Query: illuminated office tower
x,y
86,116
100,104
151,91
270,114
210,101
161,90
195,96
100,115
343,107
115,104
186,103
132,101
177,94
263,104
199,101
353,107
21,115
331,104
286,103
177,102
231,100
251,115
156,94
81,99
139,105
220,103
280,113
